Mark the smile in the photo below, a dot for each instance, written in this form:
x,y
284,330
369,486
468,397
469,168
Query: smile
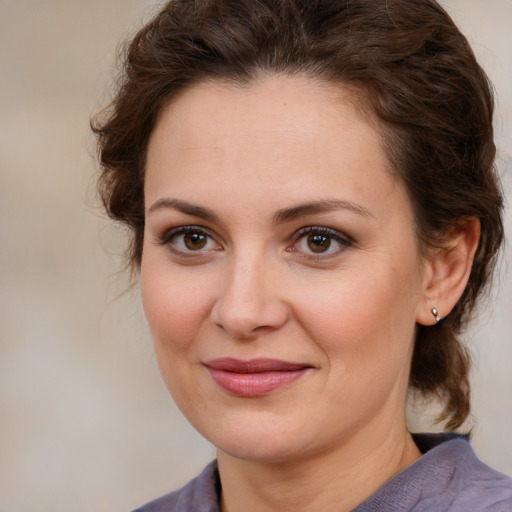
x,y
255,377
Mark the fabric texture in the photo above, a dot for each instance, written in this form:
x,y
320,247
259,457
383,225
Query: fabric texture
x,y
447,478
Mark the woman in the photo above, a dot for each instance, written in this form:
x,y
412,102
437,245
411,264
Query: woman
x,y
315,213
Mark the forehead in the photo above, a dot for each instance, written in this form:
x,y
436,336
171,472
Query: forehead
x,y
282,139
270,114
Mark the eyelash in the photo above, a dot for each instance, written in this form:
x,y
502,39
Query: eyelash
x,y
330,234
344,241
169,236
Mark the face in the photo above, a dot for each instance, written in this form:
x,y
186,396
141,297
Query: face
x,y
280,272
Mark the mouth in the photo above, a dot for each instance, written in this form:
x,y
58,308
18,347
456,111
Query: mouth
x,y
255,377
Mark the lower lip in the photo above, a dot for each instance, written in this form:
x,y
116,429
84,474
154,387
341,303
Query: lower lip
x,y
255,384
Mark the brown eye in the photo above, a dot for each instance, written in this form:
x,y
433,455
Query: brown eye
x,y
321,242
195,241
188,240
318,243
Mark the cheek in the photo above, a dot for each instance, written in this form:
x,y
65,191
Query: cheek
x,y
175,305
365,329
367,318
176,309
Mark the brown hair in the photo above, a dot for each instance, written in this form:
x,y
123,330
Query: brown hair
x,y
418,78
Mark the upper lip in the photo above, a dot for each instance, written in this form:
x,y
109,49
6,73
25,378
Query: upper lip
x,y
230,364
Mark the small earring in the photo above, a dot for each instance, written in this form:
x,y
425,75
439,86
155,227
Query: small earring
x,y
435,312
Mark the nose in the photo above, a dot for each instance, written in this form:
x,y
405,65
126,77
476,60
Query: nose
x,y
249,302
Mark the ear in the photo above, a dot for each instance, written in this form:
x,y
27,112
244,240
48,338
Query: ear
x,y
447,271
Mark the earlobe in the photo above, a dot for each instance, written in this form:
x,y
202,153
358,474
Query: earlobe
x,y
448,270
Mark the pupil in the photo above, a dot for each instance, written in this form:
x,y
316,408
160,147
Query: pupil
x,y
319,243
195,241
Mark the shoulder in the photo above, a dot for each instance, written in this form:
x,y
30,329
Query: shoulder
x,y
199,495
447,478
473,485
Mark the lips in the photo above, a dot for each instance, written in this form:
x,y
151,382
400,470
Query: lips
x,y
255,377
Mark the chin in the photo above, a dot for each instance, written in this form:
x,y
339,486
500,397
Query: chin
x,y
262,440
262,450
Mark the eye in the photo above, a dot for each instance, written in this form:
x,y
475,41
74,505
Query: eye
x,y
318,242
188,240
321,241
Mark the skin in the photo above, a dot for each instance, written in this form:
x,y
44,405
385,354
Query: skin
x,y
223,162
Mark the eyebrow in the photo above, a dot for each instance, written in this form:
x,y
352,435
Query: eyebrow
x,y
289,214
184,207
280,217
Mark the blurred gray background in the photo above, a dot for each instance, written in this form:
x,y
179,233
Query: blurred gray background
x,y
85,422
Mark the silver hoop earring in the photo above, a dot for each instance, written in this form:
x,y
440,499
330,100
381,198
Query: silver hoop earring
x,y
435,312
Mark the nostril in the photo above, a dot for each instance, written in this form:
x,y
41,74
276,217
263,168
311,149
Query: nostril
x,y
247,319
248,301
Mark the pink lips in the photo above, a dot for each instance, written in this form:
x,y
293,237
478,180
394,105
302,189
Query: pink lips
x,y
255,377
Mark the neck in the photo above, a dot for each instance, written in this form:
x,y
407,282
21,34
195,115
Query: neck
x,y
337,479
